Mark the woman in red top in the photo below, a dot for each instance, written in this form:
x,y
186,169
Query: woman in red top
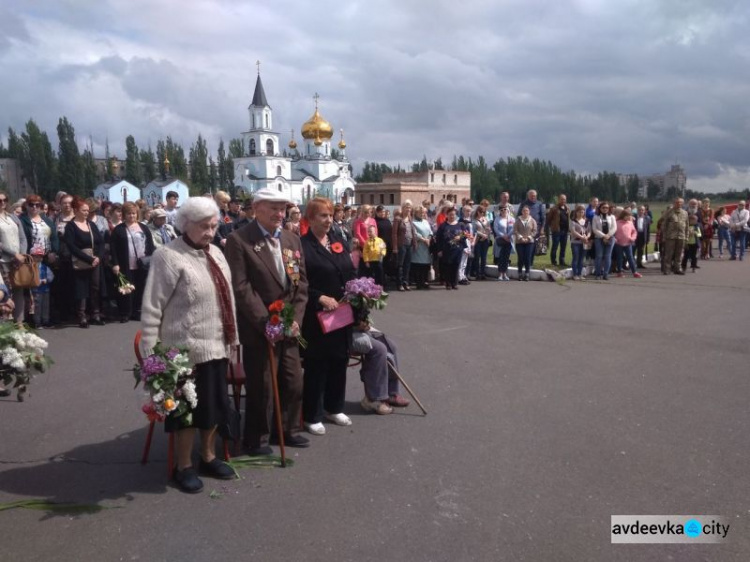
x,y
360,224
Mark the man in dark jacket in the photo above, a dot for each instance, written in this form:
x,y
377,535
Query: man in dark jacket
x,y
537,212
558,219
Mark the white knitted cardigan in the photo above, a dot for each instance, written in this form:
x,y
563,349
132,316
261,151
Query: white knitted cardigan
x,y
181,304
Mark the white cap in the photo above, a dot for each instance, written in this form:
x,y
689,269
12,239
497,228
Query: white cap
x,y
271,195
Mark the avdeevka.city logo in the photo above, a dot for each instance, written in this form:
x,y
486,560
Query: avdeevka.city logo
x,y
653,529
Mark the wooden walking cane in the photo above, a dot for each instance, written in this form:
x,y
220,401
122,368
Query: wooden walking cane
x,y
276,401
392,367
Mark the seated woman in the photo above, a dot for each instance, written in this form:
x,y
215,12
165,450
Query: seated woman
x,y
188,301
381,385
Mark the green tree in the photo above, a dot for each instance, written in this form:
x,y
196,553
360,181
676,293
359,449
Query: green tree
x,y
109,163
36,158
161,155
199,164
237,148
132,161
69,159
632,187
148,164
221,165
213,178
88,170
652,190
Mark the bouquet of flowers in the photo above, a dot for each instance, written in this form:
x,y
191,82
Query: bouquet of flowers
x,y
21,355
124,287
365,295
167,374
464,238
280,320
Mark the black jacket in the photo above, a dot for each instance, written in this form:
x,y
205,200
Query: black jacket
x,y
77,240
327,274
119,245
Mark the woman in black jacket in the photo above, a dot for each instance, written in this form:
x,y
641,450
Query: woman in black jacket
x,y
329,267
86,247
131,246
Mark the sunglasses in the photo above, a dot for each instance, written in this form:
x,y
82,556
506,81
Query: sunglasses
x,y
3,199
35,204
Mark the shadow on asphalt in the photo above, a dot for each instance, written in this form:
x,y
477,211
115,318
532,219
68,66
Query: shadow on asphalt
x,y
107,474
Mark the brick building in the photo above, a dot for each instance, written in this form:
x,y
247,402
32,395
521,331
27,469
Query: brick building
x,y
432,186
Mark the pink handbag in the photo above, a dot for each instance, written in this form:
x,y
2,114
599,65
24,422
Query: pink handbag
x,y
334,320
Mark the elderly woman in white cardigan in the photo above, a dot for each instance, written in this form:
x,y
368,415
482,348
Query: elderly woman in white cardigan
x,y
188,300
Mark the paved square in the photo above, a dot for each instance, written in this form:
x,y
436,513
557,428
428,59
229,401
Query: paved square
x,y
551,408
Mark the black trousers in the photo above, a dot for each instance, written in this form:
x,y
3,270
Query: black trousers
x,y
129,306
324,387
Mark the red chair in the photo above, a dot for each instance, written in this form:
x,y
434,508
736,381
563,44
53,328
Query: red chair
x,y
236,380
150,434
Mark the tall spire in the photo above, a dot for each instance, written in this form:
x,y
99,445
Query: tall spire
x,y
259,97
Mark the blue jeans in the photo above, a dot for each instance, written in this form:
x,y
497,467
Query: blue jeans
x,y
525,253
479,264
623,253
603,253
724,237
738,237
404,264
578,253
559,239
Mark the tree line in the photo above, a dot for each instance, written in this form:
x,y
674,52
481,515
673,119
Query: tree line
x,y
517,175
68,169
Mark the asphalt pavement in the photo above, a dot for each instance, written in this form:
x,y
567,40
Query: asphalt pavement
x,y
551,407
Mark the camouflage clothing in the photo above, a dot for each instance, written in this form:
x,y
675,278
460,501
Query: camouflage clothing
x,y
675,226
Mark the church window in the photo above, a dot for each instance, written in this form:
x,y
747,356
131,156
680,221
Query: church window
x,y
253,120
280,189
361,199
252,147
432,198
392,199
443,178
278,170
372,198
432,177
455,178
266,120
382,198
269,147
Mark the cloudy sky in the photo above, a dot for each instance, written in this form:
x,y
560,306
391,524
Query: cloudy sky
x,y
630,86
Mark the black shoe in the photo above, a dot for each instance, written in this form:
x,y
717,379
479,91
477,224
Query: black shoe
x,y
454,287
187,481
83,324
98,322
526,277
464,282
4,392
124,320
296,441
554,264
216,469
563,264
260,451
697,267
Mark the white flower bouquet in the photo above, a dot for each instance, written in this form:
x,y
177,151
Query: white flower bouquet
x,y
21,356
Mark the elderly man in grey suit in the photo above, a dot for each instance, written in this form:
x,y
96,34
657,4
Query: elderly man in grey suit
x,y
267,265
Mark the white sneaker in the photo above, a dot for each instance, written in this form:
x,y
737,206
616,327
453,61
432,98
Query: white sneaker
x,y
315,428
339,419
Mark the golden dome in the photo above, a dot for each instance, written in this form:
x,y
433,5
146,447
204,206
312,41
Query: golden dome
x,y
317,128
292,144
342,142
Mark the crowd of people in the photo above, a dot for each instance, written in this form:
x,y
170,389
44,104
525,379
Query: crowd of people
x,y
204,273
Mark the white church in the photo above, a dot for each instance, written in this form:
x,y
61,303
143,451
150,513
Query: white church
x,y
299,174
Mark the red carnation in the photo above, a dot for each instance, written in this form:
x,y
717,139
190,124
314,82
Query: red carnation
x,y
337,247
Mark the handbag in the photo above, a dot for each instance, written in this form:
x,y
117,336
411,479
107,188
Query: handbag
x,y
80,264
333,320
587,245
25,275
144,262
